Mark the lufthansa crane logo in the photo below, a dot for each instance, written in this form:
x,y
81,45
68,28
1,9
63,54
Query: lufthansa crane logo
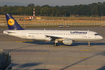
x,y
11,22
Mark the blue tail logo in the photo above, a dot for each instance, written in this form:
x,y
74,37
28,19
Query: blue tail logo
x,y
12,24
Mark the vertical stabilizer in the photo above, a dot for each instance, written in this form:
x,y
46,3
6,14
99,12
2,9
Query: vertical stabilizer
x,y
12,24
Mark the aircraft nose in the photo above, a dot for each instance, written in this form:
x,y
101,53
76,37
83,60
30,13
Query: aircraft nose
x,y
101,37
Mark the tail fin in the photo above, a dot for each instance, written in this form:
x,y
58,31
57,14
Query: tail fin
x,y
12,24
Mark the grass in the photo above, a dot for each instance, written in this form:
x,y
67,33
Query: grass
x,y
58,20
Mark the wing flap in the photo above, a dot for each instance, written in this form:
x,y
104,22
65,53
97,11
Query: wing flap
x,y
54,37
57,38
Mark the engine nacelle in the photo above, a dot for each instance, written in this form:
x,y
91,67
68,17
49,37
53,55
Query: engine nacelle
x,y
48,39
67,42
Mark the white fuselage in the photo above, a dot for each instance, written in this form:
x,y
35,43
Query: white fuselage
x,y
75,35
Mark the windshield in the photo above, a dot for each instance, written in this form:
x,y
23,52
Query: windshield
x,y
96,34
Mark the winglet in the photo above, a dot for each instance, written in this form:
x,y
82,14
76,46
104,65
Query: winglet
x,y
12,24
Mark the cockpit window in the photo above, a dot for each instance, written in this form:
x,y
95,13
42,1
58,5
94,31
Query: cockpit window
x,y
96,34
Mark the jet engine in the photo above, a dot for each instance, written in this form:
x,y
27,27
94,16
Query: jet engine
x,y
48,39
67,41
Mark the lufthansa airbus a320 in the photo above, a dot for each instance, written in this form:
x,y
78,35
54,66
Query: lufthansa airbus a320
x,y
66,37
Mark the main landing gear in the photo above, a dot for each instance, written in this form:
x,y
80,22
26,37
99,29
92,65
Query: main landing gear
x,y
55,44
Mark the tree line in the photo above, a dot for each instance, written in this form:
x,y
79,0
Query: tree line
x,y
94,9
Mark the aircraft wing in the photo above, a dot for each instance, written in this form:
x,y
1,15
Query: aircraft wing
x,y
59,39
54,37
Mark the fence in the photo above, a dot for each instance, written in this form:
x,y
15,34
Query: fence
x,y
56,24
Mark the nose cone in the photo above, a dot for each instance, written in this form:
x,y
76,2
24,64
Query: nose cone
x,y
100,37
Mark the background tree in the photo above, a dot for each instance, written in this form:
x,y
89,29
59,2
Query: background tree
x,y
37,10
30,5
94,9
45,11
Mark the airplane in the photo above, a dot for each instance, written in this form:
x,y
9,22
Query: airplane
x,y
66,37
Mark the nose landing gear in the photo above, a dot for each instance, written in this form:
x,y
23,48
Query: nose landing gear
x,y
89,44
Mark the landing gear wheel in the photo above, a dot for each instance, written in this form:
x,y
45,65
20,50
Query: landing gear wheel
x,y
56,41
89,44
55,44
